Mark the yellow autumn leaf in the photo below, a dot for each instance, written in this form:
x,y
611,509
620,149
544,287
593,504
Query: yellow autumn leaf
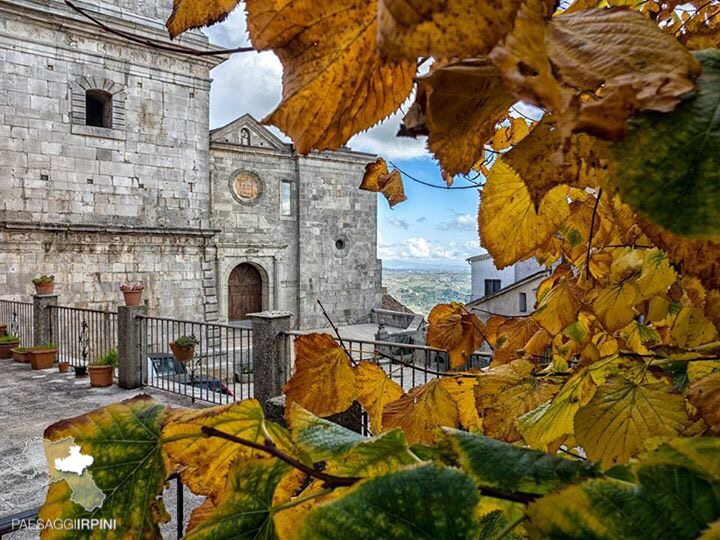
x,y
712,308
454,28
705,395
559,307
462,390
637,336
517,338
554,419
453,328
506,392
510,228
375,390
543,163
204,461
692,329
377,179
511,134
614,304
460,103
334,82
614,425
656,275
420,411
189,14
323,381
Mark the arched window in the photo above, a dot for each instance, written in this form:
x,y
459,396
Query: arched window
x,y
245,137
98,109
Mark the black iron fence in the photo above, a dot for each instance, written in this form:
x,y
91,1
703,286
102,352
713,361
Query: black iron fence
x,y
219,369
18,317
82,335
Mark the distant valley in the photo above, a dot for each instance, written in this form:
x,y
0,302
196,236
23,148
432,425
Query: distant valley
x,y
421,290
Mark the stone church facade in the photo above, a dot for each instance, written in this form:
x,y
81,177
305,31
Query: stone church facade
x,y
109,174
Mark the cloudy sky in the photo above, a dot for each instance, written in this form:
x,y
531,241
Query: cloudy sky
x,y
433,228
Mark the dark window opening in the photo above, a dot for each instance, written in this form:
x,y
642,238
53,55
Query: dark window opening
x,y
98,109
491,286
340,243
523,302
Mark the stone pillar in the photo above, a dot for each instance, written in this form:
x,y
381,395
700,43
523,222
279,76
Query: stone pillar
x,y
43,326
270,363
130,344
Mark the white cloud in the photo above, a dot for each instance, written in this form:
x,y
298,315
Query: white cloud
x,y
461,222
418,248
252,83
397,222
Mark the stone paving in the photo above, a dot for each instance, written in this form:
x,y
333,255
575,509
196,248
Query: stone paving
x,y
32,400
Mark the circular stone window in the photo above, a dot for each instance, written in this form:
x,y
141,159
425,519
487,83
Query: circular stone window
x,y
342,246
246,187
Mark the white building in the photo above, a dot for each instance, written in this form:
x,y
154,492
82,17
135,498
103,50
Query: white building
x,y
510,291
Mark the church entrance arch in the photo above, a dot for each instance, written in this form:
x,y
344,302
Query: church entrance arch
x,y
245,292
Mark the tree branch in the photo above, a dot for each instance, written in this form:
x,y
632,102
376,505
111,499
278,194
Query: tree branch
x,y
179,49
592,228
330,481
337,333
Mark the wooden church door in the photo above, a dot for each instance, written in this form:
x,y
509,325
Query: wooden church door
x,y
244,292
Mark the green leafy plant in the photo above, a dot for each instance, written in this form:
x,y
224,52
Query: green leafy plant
x,y
22,349
9,338
186,342
43,280
110,358
43,347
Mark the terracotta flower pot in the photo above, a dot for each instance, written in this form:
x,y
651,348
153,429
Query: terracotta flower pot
x,y
183,355
6,348
133,298
44,288
63,367
20,356
42,359
101,376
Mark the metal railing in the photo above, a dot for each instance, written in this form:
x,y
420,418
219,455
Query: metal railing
x,y
82,335
220,370
18,317
407,364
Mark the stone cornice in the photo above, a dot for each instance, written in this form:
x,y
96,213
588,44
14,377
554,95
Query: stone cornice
x,y
66,19
337,156
105,229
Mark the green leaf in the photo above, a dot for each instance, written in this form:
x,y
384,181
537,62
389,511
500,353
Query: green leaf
x,y
701,454
668,166
378,455
321,439
421,502
124,442
510,468
668,502
243,508
493,523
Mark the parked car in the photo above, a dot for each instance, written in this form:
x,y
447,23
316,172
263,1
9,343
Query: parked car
x,y
166,367
164,364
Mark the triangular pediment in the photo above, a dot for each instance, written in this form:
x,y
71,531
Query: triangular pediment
x,y
246,131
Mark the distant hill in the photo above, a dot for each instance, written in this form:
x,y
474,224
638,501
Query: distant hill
x,y
421,290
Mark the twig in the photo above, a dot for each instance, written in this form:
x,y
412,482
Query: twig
x,y
179,49
592,228
329,480
423,370
300,500
691,17
337,333
634,246
573,454
474,186
509,527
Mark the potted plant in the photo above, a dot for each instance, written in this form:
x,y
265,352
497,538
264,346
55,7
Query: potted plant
x,y
102,369
44,284
63,367
184,347
132,293
42,356
7,344
245,375
20,354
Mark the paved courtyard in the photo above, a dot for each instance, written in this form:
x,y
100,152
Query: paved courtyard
x,y
32,400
